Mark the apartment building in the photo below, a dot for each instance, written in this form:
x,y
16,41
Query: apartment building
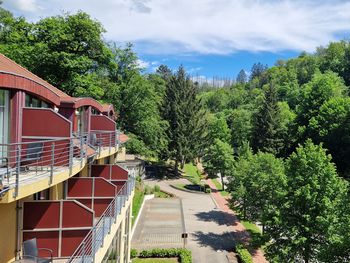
x,y
61,188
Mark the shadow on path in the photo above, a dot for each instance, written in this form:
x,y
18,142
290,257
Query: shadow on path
x,y
222,241
217,216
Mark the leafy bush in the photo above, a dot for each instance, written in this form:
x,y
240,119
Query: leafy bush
x,y
207,190
184,255
157,188
243,254
133,253
148,190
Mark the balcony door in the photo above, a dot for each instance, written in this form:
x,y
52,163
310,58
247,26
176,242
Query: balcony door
x,y
4,121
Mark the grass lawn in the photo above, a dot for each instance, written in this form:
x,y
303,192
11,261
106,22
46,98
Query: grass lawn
x,y
192,173
136,203
162,194
219,187
250,226
154,260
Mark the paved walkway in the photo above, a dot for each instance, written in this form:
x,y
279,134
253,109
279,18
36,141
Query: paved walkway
x,y
160,226
209,236
239,231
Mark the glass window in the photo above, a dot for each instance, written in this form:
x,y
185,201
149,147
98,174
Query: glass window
x,y
34,102
4,121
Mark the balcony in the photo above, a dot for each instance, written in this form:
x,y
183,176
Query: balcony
x,y
96,243
103,135
34,165
82,227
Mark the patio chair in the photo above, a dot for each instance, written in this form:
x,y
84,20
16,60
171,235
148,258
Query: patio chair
x,y
33,153
31,251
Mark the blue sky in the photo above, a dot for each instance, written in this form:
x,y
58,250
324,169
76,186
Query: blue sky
x,y
209,37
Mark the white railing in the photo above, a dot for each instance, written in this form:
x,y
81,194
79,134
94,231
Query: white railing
x,y
22,163
94,240
104,139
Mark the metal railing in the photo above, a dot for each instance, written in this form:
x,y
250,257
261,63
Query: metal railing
x,y
25,162
104,139
94,240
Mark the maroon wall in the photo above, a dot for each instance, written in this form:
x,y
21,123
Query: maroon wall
x,y
44,123
102,123
41,221
81,189
109,172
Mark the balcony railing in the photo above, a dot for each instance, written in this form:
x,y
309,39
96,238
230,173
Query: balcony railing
x,y
26,162
104,140
94,240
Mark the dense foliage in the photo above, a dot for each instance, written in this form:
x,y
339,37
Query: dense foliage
x,y
280,136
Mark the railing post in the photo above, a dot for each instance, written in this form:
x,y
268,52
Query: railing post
x,y
52,161
103,231
83,253
81,151
110,142
70,161
93,246
18,169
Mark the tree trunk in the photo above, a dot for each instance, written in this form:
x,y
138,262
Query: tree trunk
x,y
176,167
222,182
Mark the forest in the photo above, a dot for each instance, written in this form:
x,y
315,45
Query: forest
x,y
280,135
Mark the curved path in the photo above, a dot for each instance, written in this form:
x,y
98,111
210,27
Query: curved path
x,y
210,236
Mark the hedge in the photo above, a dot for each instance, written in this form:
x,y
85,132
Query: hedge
x,y
243,254
184,255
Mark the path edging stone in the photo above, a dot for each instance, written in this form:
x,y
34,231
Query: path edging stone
x,y
146,197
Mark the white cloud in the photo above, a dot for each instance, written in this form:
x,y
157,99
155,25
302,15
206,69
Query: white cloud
x,y
23,5
143,64
210,26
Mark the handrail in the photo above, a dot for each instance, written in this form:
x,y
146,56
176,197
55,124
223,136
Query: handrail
x,y
94,240
28,161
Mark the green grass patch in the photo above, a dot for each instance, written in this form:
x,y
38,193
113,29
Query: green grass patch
x,y
250,226
137,202
219,187
155,260
192,173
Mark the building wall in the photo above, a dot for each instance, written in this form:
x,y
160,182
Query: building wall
x,y
8,232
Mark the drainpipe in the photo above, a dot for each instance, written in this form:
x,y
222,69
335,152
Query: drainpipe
x,y
19,209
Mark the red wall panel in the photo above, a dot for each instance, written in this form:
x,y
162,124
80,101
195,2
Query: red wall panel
x,y
118,173
44,122
100,206
41,215
102,123
71,239
79,187
119,184
47,239
70,218
103,188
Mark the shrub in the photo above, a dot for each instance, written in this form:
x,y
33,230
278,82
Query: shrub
x,y
184,255
148,190
133,253
207,190
243,254
157,188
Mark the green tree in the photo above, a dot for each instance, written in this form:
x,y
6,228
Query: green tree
x,y
320,89
266,131
218,129
242,77
332,127
241,125
258,186
219,159
184,113
309,211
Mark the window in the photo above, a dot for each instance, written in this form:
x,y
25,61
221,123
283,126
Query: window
x,y
4,121
42,195
33,102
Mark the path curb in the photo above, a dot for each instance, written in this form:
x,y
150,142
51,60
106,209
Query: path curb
x,y
186,190
146,197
